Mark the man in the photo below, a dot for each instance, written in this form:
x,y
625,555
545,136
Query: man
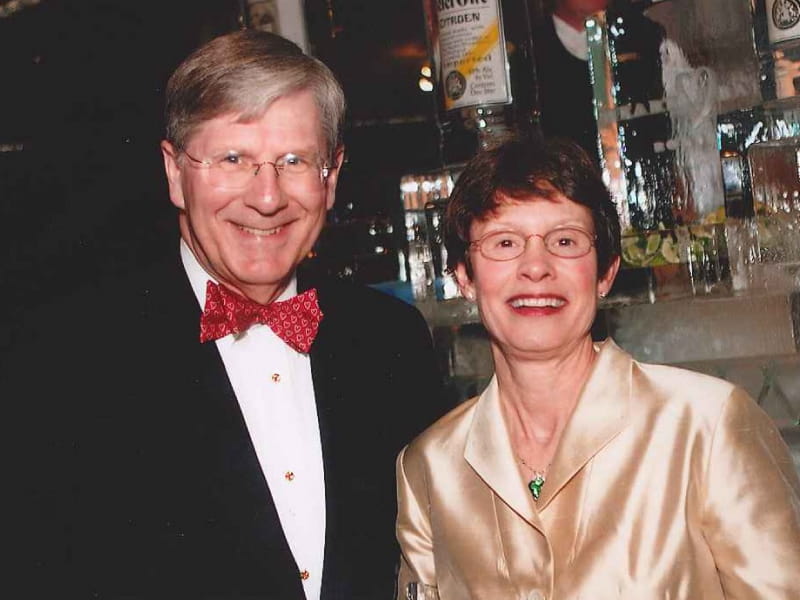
x,y
250,452
562,70
566,97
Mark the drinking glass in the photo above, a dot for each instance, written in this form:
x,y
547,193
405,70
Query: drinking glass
x,y
421,591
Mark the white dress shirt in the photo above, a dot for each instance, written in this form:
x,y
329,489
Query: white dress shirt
x,y
574,40
275,391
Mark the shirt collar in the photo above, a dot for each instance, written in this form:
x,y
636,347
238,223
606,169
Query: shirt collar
x,y
573,40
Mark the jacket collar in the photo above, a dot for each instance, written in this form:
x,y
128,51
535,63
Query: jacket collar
x,y
601,413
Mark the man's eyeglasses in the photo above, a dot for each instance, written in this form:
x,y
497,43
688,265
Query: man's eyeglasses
x,y
232,170
564,242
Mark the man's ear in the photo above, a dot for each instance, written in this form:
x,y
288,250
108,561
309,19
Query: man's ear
x,y
333,177
173,171
464,282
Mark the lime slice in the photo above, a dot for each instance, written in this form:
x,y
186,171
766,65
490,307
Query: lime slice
x,y
669,250
653,242
629,240
656,261
650,261
633,255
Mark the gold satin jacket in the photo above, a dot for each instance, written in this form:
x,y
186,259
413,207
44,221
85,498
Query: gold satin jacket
x,y
666,484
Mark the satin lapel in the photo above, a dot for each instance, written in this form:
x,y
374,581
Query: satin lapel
x,y
601,413
488,450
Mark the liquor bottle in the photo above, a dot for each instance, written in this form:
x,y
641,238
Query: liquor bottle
x,y
733,133
483,71
769,113
422,197
776,29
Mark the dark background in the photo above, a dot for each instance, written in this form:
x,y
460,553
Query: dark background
x,y
82,191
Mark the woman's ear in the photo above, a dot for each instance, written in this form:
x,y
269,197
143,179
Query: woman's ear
x,y
465,285
605,282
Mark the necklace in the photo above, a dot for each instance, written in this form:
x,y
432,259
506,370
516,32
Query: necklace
x,y
536,484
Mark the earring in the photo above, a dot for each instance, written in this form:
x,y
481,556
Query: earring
x,y
469,296
603,295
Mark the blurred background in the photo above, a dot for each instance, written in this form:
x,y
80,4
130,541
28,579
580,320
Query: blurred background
x,y
82,191
692,110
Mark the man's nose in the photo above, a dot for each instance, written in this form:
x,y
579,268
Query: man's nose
x,y
264,192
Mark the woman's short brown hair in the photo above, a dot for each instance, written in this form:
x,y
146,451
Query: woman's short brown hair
x,y
244,73
529,169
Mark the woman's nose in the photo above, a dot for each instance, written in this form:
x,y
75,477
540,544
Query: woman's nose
x,y
535,261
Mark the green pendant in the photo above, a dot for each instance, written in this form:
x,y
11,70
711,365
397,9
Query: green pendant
x,y
535,486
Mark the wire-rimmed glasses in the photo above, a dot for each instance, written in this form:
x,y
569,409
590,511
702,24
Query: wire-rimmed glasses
x,y
563,242
233,170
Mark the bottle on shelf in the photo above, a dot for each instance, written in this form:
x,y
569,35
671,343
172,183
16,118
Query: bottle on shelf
x,y
732,134
422,261
776,28
772,116
759,146
483,73
772,156
775,115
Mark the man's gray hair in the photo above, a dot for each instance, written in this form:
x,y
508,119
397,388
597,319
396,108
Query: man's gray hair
x,y
244,73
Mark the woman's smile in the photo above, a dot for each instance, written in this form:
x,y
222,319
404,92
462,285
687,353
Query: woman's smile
x,y
537,302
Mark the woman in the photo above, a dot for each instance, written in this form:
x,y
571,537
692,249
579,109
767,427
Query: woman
x,y
580,473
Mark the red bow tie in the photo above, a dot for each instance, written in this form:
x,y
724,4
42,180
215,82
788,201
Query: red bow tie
x,y
295,321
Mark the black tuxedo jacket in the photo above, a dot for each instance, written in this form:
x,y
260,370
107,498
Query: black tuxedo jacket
x,y
134,470
565,90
